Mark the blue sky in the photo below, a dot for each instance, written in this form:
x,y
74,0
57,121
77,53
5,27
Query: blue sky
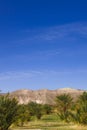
x,y
43,44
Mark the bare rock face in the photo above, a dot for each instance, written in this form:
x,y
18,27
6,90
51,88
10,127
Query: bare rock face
x,y
43,96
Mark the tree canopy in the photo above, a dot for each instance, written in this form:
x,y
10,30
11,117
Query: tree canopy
x,y
64,104
8,111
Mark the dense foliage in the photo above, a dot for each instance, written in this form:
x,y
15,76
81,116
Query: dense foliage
x,y
64,105
67,110
47,109
22,115
80,112
35,109
8,112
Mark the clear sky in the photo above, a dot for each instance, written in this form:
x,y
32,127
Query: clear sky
x,y
43,44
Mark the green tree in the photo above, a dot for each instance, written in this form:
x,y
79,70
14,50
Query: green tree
x,y
80,113
35,109
47,109
23,115
64,105
8,111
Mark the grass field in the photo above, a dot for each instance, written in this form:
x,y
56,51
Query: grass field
x,y
50,122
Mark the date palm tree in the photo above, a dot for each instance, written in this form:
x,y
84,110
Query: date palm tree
x,y
64,104
80,114
8,111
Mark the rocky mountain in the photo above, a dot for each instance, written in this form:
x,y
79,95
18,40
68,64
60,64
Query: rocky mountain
x,y
43,96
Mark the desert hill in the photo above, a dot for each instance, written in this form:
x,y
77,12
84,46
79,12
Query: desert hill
x,y
43,96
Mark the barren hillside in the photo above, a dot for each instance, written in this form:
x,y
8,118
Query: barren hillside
x,y
43,96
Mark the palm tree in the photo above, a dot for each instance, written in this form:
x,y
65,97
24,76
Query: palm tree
x,y
80,114
35,109
64,104
8,111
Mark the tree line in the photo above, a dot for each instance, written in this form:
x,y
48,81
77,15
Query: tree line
x,y
65,108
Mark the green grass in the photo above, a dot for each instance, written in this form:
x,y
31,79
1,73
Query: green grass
x,y
49,122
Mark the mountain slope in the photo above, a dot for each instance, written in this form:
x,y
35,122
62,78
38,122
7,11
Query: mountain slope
x,y
43,96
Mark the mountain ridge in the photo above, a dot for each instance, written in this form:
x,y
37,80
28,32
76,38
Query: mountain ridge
x,y
43,96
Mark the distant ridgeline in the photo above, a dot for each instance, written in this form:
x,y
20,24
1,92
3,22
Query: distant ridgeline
x,y
43,96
